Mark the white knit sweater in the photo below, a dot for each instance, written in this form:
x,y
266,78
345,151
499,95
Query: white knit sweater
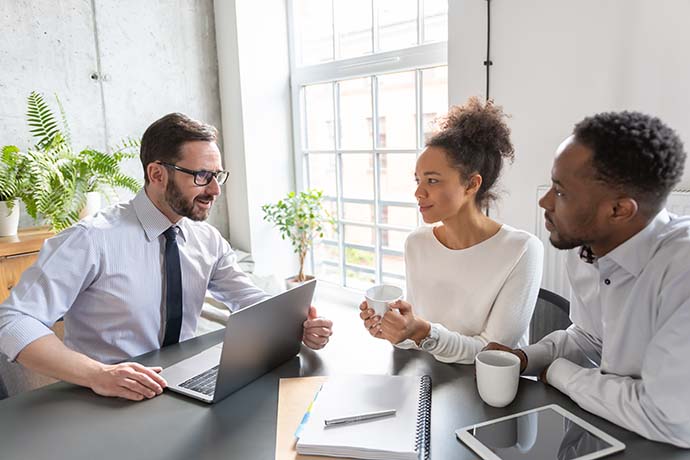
x,y
473,296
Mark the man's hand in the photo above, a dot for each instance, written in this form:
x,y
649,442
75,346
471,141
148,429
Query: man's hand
x,y
127,380
317,330
519,353
542,376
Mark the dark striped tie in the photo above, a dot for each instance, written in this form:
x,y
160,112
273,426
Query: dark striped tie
x,y
173,288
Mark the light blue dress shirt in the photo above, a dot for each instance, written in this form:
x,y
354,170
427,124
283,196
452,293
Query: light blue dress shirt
x,y
626,357
105,276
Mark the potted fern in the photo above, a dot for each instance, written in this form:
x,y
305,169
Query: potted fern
x,y
10,189
300,217
61,178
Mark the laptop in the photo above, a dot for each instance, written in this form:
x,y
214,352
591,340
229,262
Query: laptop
x,y
258,338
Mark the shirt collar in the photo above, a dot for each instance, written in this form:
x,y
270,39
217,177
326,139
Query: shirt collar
x,y
152,220
634,253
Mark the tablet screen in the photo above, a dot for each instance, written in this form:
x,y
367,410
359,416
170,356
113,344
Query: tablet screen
x,y
540,435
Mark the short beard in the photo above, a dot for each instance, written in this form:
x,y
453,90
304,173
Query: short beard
x,y
182,207
566,244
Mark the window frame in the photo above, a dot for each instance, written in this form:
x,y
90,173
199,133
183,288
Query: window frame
x,y
417,58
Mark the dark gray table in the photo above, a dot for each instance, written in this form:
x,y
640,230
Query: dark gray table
x,y
66,421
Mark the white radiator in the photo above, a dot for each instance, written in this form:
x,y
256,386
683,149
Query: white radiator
x,y
554,278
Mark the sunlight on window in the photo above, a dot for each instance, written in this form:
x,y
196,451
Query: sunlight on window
x,y
362,124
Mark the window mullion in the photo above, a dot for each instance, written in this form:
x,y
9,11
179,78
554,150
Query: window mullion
x,y
420,22
377,177
339,180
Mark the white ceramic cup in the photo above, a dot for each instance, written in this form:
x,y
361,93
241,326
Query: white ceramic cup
x,y
379,296
498,374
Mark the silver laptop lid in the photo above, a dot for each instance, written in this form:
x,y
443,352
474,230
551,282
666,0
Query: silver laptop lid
x,y
261,337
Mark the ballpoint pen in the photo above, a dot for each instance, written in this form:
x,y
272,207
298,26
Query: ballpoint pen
x,y
359,417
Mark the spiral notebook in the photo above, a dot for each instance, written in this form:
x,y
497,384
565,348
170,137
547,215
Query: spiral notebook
x,y
402,436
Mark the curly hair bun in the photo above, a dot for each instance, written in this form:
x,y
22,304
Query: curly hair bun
x,y
476,138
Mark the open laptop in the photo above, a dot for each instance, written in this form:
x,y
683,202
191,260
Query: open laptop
x,y
257,339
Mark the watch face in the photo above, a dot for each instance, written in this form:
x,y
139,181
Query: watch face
x,y
428,343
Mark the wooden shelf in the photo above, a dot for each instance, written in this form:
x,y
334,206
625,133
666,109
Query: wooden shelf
x,y
26,241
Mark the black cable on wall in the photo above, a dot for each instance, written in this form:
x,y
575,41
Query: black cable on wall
x,y
487,62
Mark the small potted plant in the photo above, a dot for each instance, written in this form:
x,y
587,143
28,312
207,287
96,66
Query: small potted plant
x,y
10,189
300,217
62,180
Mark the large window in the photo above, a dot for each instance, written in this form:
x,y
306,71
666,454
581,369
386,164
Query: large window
x,y
369,78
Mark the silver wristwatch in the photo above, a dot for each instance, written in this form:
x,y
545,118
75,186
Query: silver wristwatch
x,y
429,342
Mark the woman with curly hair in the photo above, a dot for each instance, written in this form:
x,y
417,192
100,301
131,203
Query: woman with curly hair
x,y
470,280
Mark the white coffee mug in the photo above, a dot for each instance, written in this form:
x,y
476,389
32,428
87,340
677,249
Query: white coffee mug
x,y
379,296
498,375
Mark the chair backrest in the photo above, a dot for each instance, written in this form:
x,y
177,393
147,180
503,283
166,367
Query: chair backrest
x,y
3,390
15,378
551,313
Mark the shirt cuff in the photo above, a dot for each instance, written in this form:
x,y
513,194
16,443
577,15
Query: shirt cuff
x,y
560,373
538,357
407,344
20,334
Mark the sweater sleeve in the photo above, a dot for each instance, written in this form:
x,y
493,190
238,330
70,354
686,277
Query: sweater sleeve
x,y
510,315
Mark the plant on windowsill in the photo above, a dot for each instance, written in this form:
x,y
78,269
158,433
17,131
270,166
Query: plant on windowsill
x,y
301,218
11,186
62,180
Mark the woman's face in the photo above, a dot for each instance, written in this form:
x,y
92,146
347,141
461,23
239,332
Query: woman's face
x,y
441,193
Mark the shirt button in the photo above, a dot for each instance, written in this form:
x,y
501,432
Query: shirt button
x,y
607,281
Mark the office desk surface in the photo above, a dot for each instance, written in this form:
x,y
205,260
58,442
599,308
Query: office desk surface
x,y
66,421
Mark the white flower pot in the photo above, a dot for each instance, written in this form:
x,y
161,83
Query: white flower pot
x,y
292,282
93,204
9,220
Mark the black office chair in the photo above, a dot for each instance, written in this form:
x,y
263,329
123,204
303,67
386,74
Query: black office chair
x,y
551,313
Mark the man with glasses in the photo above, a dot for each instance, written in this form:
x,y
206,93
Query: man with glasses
x,y
134,277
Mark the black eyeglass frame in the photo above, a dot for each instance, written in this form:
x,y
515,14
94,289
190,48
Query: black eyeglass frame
x,y
221,176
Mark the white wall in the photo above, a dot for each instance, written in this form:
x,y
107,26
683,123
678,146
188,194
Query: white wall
x,y
557,61
154,57
255,100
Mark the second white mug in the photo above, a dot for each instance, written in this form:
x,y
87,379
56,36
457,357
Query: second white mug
x,y
498,375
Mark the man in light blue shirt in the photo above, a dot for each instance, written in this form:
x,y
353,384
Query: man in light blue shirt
x,y
107,274
626,355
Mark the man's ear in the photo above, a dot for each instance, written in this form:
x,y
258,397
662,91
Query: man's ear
x,y
156,173
624,209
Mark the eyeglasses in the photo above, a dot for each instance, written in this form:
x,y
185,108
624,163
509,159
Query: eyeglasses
x,y
201,176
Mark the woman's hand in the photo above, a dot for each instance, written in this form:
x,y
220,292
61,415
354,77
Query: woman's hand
x,y
370,318
400,324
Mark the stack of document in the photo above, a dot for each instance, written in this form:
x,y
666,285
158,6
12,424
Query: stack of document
x,y
403,436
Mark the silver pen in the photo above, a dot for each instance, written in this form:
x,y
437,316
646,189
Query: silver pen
x,y
359,417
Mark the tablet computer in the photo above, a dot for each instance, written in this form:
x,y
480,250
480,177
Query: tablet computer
x,y
545,433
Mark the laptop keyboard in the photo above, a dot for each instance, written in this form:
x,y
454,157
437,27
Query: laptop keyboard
x,y
204,383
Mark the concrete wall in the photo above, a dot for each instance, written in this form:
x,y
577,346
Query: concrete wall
x,y
149,58
556,61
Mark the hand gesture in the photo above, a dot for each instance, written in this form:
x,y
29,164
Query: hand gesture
x,y
317,330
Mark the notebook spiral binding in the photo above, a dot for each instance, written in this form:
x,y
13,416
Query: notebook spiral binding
x,y
423,436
